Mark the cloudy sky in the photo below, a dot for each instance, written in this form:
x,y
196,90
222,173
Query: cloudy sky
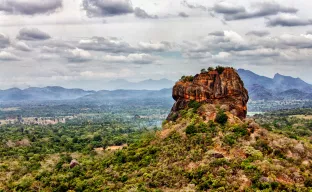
x,y
86,43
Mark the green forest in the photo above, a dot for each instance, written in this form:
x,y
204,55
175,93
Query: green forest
x,y
187,154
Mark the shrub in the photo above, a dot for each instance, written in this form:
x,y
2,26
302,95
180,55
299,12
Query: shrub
x,y
187,78
252,153
191,130
219,162
221,118
194,104
220,69
203,71
164,122
183,113
229,139
308,182
174,116
240,131
210,69
202,127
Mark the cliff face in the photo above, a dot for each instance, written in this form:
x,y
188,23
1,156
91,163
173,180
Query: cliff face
x,y
226,90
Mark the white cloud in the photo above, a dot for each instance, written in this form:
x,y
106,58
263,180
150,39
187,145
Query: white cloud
x,y
7,56
154,46
233,37
136,58
124,73
221,55
76,42
259,52
22,46
78,55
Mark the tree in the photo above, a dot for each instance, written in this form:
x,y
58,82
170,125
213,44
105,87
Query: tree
x,y
203,71
220,69
190,130
210,69
221,117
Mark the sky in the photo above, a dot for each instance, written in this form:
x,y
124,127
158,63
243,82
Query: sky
x,y
87,43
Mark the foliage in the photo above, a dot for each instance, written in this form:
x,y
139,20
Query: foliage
x,y
194,104
208,156
187,78
285,122
220,69
191,129
221,117
210,69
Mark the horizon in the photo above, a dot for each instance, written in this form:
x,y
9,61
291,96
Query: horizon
x,y
79,43
134,82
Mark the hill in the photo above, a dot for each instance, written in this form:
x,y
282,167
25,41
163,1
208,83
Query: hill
x,y
278,88
42,94
206,144
128,95
259,87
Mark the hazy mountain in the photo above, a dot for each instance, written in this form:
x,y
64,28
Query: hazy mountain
x,y
46,93
292,94
279,83
129,95
149,84
250,79
258,92
278,88
283,83
13,94
259,87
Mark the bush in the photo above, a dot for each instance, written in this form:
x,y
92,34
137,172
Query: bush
x,y
221,118
210,69
252,153
202,127
187,78
240,131
230,139
220,69
203,71
194,104
174,116
191,130
308,182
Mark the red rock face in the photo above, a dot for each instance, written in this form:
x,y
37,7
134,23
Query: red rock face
x,y
225,89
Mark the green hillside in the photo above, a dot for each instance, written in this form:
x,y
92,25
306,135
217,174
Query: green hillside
x,y
188,154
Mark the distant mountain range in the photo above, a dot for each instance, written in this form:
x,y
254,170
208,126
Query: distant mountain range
x,y
259,87
42,94
120,89
158,97
278,88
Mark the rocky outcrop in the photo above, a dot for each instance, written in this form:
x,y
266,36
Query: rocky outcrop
x,y
218,88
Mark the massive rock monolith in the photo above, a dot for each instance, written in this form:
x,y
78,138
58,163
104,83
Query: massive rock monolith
x,y
222,88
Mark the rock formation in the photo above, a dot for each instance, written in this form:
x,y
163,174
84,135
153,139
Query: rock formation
x,y
223,88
